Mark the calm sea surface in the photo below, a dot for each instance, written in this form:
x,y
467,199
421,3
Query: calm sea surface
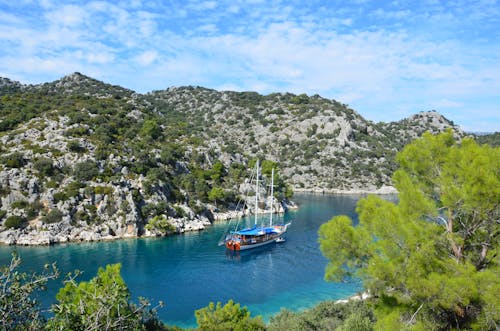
x,y
188,271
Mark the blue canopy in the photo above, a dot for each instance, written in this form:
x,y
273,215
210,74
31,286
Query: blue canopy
x,y
256,231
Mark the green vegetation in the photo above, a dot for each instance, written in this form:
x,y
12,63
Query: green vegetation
x,y
231,316
492,139
216,194
151,129
14,160
86,170
101,189
44,166
75,147
53,216
18,308
14,222
103,303
431,259
161,224
351,316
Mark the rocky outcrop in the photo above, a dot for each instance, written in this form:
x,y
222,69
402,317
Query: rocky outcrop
x,y
320,144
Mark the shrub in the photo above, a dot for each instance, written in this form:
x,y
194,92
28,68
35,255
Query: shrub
x,y
228,317
33,209
74,146
4,190
101,153
327,315
102,303
85,170
18,293
19,204
77,131
216,194
73,189
179,212
151,129
14,160
160,223
14,222
44,166
54,216
2,214
60,196
103,190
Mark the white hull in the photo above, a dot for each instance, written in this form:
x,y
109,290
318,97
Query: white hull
x,y
244,247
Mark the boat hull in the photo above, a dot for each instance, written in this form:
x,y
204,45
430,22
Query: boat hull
x,y
242,247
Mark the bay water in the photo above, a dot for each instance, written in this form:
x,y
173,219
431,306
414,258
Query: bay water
x,y
190,270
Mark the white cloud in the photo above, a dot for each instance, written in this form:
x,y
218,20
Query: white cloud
x,y
100,58
68,15
211,28
203,5
10,19
233,9
147,58
446,103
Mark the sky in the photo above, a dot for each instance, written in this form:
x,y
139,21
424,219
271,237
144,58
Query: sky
x,y
385,59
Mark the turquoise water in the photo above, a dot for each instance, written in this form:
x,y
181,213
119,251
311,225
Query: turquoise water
x,y
188,271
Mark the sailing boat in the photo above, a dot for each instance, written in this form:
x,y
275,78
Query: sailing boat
x,y
257,235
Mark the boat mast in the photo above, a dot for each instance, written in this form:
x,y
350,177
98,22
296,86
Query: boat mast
x,y
257,192
272,197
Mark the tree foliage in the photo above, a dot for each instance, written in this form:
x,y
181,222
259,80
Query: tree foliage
x,y
103,303
151,129
15,222
161,224
19,308
231,316
85,170
44,166
216,194
53,216
327,315
432,258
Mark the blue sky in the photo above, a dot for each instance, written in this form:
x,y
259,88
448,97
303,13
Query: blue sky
x,y
387,60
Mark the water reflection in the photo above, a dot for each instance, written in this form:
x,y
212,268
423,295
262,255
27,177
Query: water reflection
x,y
252,254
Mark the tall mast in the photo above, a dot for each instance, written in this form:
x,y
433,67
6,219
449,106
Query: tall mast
x,y
272,197
257,192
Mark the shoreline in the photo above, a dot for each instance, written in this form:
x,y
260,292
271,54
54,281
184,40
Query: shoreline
x,y
380,191
49,240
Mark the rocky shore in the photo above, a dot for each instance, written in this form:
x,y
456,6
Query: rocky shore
x,y
39,233
373,190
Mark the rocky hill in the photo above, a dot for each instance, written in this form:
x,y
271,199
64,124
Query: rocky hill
x,y
85,160
320,144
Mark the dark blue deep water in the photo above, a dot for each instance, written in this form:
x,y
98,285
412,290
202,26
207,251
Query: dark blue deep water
x,y
188,271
